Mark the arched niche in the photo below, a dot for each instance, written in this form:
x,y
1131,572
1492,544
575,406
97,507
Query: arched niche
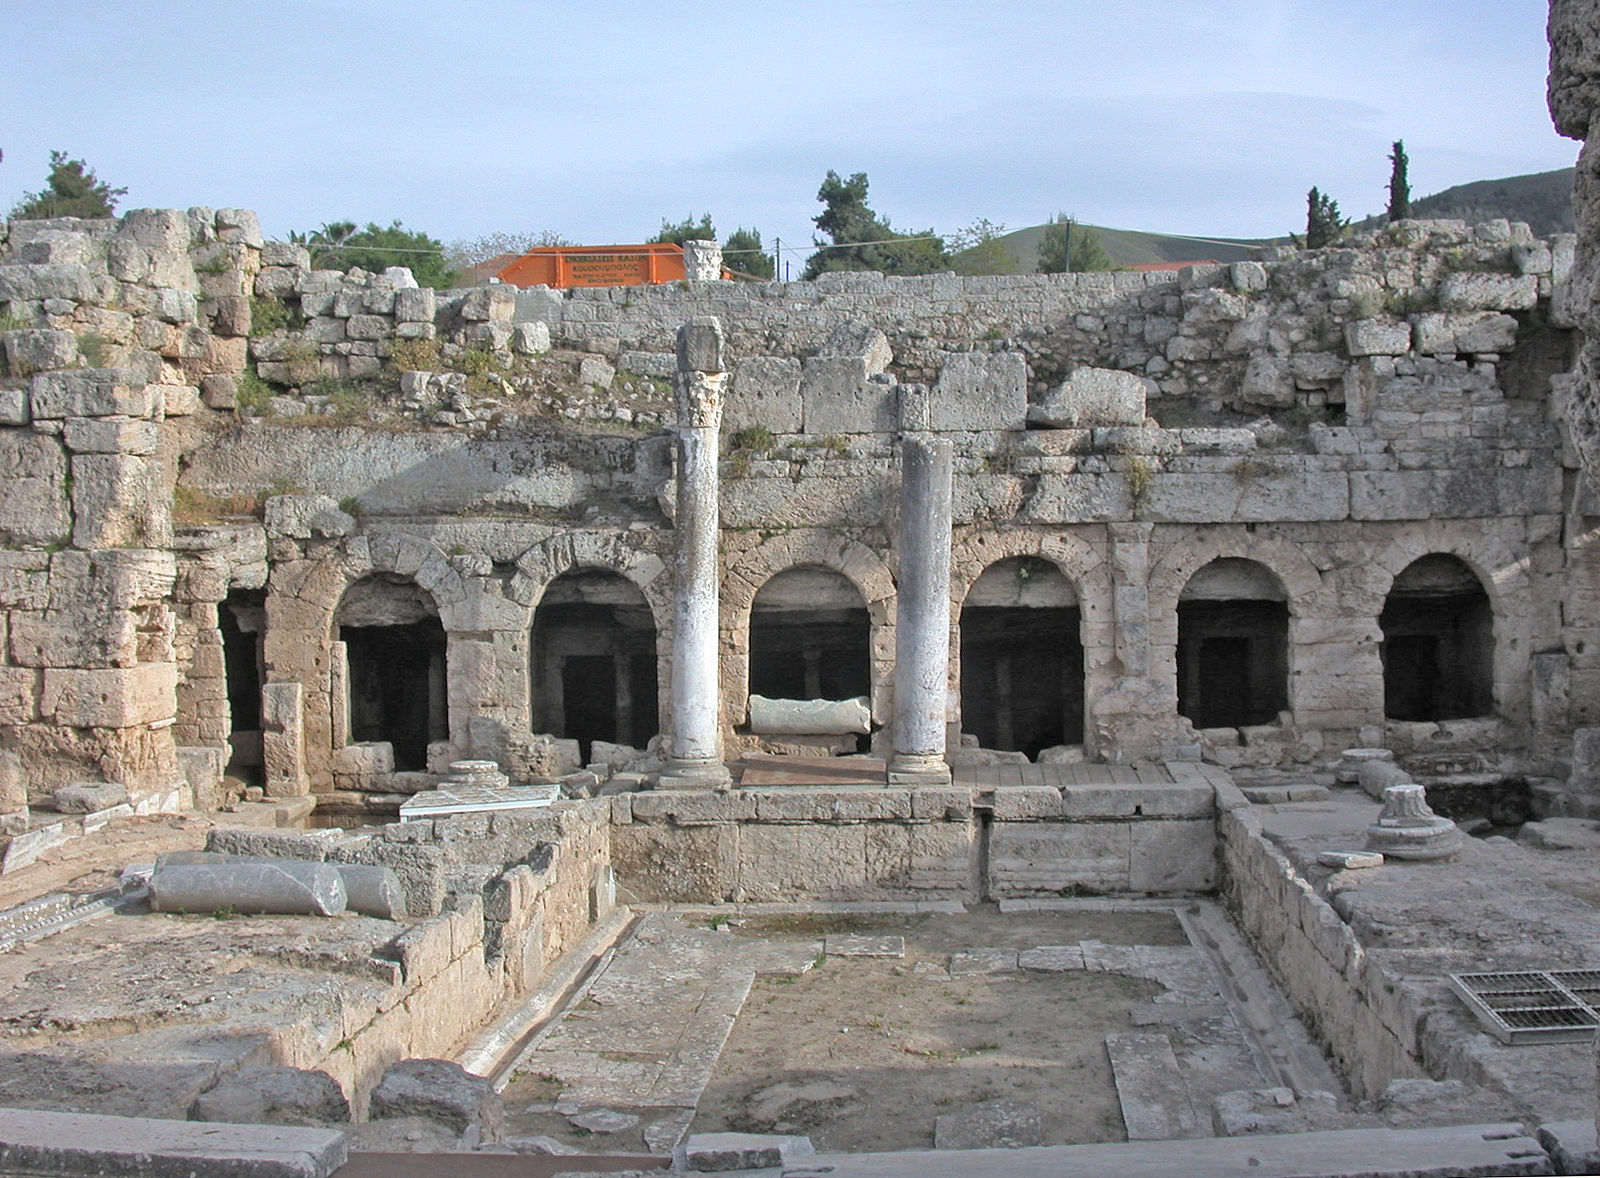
x,y
810,637
593,669
394,666
1022,657
1438,642
1233,645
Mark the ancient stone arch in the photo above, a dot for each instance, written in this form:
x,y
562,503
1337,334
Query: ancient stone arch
x,y
302,600
746,573
974,551
1505,579
570,552
1304,593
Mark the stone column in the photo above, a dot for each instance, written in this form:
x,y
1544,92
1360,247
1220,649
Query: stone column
x,y
694,751
922,614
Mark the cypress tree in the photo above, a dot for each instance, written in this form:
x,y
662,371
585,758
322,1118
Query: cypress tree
x,y
1399,184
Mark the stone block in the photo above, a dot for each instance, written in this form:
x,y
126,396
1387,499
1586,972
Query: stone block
x,y
52,280
1026,803
89,392
1093,397
1268,380
858,339
119,501
1172,856
282,742
115,697
88,797
13,406
38,349
716,1152
1374,337
110,435
33,509
1039,858
837,398
34,1141
494,303
981,391
368,327
1248,277
1486,331
830,805
1467,291
19,695
274,1095
790,862
415,305
439,1090
530,339
765,393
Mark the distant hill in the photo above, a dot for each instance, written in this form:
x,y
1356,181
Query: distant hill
x,y
1131,247
1543,200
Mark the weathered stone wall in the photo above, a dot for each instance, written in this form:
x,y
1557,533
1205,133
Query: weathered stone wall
x,y
1348,1000
111,329
500,897
798,845
1332,415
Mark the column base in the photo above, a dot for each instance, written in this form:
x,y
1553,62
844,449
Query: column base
x,y
694,773
918,769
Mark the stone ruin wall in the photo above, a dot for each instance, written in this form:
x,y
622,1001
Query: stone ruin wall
x,y
1332,414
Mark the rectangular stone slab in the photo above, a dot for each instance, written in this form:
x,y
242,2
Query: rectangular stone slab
x,y
36,1142
1155,1100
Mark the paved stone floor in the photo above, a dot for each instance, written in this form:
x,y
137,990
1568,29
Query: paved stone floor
x,y
641,1042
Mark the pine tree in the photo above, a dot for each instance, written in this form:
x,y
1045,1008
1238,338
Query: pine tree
x,y
688,229
1324,225
72,190
1399,184
744,254
862,240
1068,246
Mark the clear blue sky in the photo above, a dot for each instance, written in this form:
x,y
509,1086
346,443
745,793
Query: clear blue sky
x,y
597,118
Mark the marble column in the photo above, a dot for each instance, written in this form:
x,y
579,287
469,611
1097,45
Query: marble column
x,y
922,614
694,751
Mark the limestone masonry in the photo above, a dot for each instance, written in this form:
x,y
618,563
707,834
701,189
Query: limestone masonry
x,y
336,531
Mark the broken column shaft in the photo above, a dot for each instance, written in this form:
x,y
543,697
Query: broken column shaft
x,y
694,756
922,614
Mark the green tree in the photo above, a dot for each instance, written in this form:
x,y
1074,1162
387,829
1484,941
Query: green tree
x,y
862,240
1068,246
339,245
744,254
977,249
71,190
1324,225
687,229
1399,183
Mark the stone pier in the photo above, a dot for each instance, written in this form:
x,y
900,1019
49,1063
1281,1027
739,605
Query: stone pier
x,y
922,618
695,751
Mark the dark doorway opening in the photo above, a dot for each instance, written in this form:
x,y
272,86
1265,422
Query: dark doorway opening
x,y
1438,643
395,667
1233,646
810,637
1022,658
241,618
594,661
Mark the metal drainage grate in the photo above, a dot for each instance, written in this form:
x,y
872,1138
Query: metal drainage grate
x,y
1534,1006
